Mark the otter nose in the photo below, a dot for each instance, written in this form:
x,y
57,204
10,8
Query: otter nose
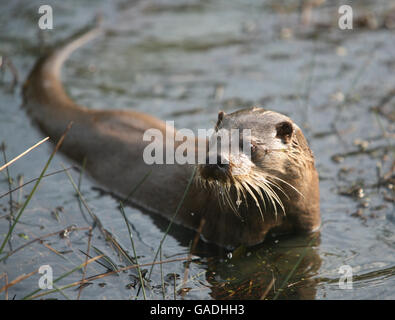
x,y
218,165
215,171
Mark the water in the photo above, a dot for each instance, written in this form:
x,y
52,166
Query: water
x,y
185,61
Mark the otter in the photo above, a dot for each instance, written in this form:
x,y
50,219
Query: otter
x,y
278,190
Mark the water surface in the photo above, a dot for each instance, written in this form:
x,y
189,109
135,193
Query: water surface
x,y
185,61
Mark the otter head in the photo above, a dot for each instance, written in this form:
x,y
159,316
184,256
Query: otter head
x,y
259,159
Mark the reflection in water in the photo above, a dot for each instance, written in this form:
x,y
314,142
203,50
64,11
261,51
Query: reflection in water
x,y
279,269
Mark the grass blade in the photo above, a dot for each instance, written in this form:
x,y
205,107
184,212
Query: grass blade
x,y
172,220
82,265
134,250
23,153
35,187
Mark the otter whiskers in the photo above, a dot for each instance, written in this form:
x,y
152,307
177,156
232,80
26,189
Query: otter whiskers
x,y
258,185
245,179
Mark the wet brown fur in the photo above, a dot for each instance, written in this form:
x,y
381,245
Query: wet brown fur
x,y
112,143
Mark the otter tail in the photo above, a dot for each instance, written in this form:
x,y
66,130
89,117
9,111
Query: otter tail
x,y
43,94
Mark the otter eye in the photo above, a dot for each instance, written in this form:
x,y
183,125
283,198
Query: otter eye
x,y
284,131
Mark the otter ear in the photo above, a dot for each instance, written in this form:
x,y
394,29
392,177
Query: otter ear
x,y
221,115
284,131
